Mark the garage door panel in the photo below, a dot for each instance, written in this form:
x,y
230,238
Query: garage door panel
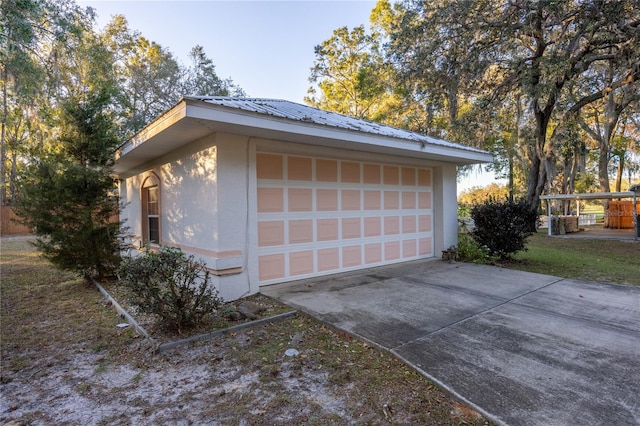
x,y
299,168
300,231
318,216
301,262
270,200
271,233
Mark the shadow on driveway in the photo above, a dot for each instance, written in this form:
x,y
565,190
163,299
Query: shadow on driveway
x,y
521,348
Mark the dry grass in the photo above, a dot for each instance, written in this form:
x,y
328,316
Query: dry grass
x,y
65,361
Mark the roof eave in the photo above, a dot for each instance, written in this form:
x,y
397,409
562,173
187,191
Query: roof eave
x,y
190,120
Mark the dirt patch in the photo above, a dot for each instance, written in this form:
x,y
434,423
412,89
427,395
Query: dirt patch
x,y
64,361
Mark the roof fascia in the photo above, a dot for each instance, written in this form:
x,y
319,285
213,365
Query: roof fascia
x,y
248,119
166,120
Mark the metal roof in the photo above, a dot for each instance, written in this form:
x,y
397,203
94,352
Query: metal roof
x,y
294,111
195,117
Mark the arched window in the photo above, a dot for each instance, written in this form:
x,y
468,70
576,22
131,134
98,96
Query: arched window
x,y
151,210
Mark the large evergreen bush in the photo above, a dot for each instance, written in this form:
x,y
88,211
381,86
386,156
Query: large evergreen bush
x,y
503,228
68,195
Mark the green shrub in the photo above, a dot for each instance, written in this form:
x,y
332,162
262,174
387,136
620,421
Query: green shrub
x,y
470,251
503,228
172,285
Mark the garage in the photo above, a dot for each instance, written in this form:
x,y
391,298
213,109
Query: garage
x,y
265,191
322,215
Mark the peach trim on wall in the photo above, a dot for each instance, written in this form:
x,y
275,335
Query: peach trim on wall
x,y
221,272
219,262
226,254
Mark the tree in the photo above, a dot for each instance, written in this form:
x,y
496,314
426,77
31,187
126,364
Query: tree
x,y
353,79
489,50
478,195
202,79
27,29
150,77
600,120
67,194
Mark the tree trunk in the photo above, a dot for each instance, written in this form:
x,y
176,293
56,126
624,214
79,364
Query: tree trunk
x,y
539,173
620,172
3,151
603,165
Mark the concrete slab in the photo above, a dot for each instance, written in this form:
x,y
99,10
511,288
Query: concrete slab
x,y
522,348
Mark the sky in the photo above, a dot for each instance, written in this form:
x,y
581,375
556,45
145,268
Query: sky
x,y
266,47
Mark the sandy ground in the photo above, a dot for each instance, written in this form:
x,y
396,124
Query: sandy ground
x,y
210,383
201,386
65,362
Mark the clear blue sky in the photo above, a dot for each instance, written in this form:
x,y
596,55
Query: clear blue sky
x,y
265,47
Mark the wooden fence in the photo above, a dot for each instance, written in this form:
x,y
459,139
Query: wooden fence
x,y
8,224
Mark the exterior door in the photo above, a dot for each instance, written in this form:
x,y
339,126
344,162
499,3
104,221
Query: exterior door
x,y
319,216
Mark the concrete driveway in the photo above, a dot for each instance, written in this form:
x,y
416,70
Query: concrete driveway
x,y
521,348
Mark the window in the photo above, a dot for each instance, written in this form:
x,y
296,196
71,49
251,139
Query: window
x,y
151,211
153,218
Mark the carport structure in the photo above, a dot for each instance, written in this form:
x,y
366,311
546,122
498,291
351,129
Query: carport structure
x,y
633,193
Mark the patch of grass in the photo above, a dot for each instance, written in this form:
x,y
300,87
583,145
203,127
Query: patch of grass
x,y
585,259
362,379
47,312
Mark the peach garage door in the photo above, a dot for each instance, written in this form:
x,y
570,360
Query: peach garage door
x,y
319,216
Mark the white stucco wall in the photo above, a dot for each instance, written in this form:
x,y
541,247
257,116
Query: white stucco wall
x,y
445,219
198,215
208,202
